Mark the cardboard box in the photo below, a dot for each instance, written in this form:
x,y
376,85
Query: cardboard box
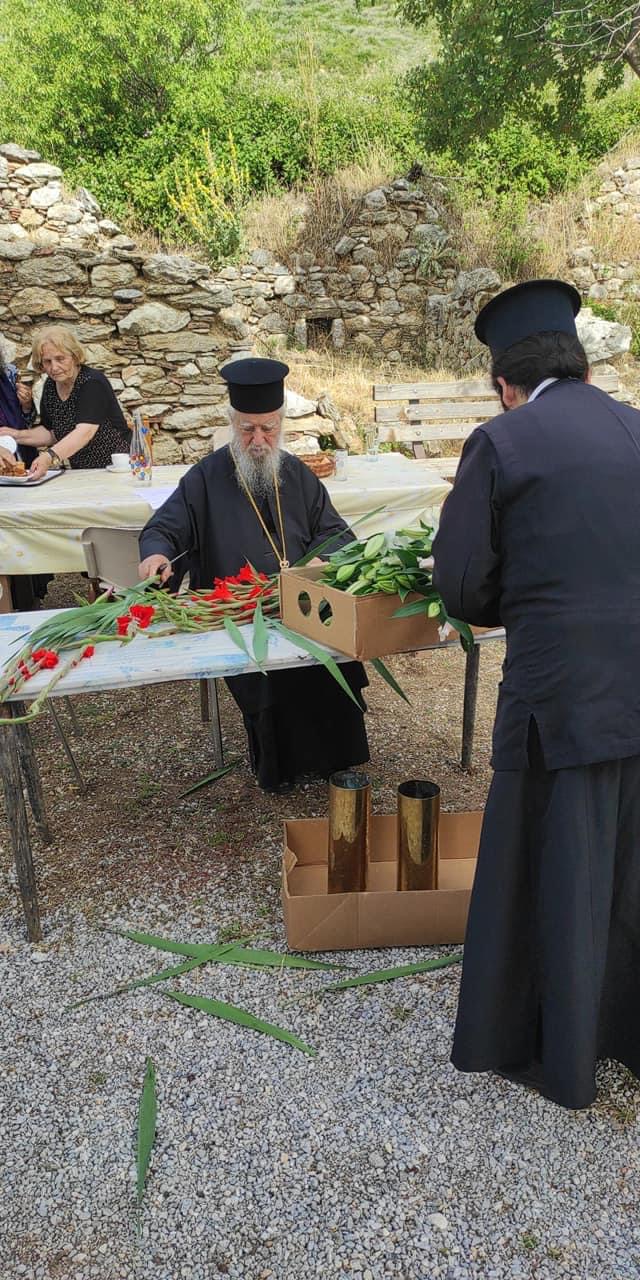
x,y
381,917
360,626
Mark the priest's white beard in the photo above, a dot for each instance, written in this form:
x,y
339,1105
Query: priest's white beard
x,y
259,468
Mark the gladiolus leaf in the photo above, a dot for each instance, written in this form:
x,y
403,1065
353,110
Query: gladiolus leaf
x,y
235,634
321,655
211,777
387,975
378,665
174,972
147,1114
231,1013
225,953
260,636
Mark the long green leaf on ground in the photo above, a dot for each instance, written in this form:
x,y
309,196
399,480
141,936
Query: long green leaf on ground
x,y
242,1018
224,953
147,1115
175,971
379,666
321,655
387,975
211,777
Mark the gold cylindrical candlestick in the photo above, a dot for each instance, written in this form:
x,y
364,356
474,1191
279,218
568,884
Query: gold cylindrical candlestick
x,y
349,808
418,817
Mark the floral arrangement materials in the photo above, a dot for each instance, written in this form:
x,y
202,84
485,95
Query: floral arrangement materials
x,y
147,608
394,564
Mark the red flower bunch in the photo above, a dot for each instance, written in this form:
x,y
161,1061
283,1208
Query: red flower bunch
x,y
45,658
138,618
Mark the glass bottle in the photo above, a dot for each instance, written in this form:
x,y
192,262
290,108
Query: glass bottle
x,y
140,455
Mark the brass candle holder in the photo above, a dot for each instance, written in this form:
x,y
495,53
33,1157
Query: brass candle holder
x,y
349,811
418,819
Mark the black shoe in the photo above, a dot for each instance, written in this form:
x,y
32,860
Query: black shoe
x,y
282,789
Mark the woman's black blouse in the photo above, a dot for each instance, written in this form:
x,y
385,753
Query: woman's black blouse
x,y
92,399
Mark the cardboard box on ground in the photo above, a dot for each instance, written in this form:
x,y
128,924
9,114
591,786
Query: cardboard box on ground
x,y
381,916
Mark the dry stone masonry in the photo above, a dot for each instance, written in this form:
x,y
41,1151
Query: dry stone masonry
x,y
161,324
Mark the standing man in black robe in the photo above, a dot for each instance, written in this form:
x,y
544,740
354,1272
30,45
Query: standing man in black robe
x,y
251,501
541,533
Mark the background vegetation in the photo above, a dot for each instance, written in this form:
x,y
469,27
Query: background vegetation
x,y
178,114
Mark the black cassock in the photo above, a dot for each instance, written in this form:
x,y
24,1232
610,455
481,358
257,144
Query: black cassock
x,y
541,533
297,722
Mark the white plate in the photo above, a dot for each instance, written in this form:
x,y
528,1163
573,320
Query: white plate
x,y
118,471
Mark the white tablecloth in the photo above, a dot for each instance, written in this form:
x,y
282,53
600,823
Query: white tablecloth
x,y
40,528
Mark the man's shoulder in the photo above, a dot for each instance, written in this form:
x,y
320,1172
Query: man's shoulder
x,y
211,468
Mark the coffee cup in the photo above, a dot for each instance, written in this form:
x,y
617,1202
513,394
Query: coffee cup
x,y
120,461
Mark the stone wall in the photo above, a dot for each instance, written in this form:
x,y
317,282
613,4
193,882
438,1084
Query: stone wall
x,y
160,325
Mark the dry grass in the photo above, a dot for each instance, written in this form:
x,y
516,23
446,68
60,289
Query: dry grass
x,y
349,379
274,223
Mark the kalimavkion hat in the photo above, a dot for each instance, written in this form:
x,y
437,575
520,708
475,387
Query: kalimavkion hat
x,y
255,385
537,306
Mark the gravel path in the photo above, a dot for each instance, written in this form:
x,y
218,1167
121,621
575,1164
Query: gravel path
x,y
374,1159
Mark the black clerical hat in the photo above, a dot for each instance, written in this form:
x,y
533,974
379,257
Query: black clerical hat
x,y
537,306
255,385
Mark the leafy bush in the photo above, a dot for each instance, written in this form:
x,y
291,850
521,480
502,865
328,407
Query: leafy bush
x,y
209,201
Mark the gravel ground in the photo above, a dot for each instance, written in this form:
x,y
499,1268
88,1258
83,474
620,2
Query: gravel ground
x,y
375,1158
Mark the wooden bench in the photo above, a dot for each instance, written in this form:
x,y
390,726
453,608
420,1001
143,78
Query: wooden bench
x,y
415,412
419,412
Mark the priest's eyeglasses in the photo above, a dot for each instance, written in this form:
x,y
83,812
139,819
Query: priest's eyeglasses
x,y
250,429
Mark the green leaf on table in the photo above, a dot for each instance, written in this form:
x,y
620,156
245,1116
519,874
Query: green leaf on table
x,y
242,1018
147,1115
388,975
211,777
321,655
235,634
260,636
379,666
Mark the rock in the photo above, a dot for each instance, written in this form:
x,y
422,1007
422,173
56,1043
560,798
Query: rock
x,y
45,197
40,172
35,302
233,319
64,213
173,266
154,317
45,238
338,334
16,250
91,306
261,258
189,370
101,356
470,283
602,339
127,295
345,245
300,335
298,406
54,269
88,202
211,296
438,1221
105,278
19,154
165,449
188,419
108,228
175,344
375,199
327,409
12,231
283,285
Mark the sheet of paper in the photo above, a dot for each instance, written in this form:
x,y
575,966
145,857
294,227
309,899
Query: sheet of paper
x,y
156,495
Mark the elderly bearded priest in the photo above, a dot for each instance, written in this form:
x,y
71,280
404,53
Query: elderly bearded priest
x,y
252,501
541,532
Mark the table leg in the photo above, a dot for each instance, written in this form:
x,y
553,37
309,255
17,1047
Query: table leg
x,y
216,732
469,708
6,599
31,774
19,829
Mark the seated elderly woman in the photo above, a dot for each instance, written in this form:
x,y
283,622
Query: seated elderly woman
x,y
81,420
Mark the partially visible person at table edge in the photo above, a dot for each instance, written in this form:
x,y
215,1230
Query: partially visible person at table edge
x,y
81,420
16,409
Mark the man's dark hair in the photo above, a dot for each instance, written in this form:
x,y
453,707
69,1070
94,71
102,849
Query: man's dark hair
x,y
544,355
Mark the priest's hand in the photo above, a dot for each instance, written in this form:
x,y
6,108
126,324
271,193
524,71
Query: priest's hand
x,y
154,565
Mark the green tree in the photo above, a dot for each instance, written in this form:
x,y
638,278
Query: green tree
x,y
524,58
82,76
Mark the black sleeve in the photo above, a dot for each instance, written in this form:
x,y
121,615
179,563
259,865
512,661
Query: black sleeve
x,y
96,402
326,522
466,548
172,529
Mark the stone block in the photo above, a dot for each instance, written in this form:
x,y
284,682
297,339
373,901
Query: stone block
x,y
16,250
39,172
105,279
45,197
34,302
153,317
300,334
20,155
210,296
345,245
67,213
88,202
601,339
91,306
174,267
175,345
375,200
108,228
284,285
127,295
338,333
30,219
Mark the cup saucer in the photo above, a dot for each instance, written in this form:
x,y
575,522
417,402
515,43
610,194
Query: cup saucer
x,y
118,471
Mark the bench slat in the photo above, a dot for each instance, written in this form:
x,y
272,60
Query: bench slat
x,y
410,431
478,409
464,389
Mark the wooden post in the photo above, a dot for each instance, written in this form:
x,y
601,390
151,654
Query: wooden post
x,y
31,774
18,829
6,601
469,707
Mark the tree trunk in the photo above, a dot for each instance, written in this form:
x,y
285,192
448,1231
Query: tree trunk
x,y
632,50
